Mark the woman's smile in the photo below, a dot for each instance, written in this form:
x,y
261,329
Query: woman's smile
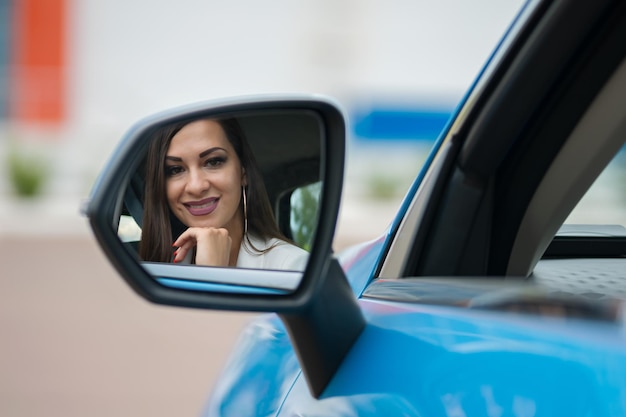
x,y
202,207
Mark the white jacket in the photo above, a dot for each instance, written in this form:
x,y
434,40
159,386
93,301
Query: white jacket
x,y
282,255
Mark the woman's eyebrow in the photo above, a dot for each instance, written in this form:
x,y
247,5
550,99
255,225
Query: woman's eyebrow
x,y
202,154
211,150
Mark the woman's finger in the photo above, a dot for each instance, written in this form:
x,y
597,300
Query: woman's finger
x,y
181,251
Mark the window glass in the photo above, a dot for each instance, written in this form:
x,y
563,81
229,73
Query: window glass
x,y
128,230
304,213
605,201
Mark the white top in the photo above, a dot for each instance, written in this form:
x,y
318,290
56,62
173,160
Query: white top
x,y
282,255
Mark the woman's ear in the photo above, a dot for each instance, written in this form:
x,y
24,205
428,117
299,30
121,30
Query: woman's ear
x,y
244,177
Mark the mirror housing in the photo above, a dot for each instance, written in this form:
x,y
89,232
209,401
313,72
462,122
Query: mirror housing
x,y
107,196
321,314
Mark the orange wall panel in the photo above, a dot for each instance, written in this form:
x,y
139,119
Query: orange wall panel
x,y
38,64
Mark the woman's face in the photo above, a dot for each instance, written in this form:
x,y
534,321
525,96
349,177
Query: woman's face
x,y
203,177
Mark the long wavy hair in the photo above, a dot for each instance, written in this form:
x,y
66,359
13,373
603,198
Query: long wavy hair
x,y
161,227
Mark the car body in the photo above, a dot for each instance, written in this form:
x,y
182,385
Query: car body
x,y
472,302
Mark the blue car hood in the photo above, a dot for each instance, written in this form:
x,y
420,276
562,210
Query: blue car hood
x,y
418,359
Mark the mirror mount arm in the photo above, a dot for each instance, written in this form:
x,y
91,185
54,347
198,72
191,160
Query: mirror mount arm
x,y
325,331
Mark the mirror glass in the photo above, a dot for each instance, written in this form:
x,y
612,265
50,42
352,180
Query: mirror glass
x,y
223,202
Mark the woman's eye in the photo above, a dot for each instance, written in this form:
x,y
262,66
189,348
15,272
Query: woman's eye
x,y
215,162
172,170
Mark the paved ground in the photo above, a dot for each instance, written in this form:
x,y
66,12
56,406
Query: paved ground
x,y
77,342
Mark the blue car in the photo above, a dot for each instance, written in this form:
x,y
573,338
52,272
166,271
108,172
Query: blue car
x,y
482,298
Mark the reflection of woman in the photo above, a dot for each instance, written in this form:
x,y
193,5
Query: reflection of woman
x,y
205,202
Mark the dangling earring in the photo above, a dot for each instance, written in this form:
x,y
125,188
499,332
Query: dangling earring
x,y
245,210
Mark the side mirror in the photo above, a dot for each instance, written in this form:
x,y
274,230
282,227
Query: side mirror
x,y
267,172
166,182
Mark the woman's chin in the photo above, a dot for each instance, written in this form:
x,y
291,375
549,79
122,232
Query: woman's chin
x,y
206,225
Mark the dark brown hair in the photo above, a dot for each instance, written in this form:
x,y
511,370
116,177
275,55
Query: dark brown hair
x,y
160,225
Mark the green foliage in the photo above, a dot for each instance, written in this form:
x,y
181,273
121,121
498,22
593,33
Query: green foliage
x,y
387,187
382,188
28,172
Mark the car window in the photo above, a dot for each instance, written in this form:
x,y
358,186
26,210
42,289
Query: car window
x,y
304,204
128,230
605,201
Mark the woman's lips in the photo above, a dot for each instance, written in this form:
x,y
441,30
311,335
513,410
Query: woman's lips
x,y
202,207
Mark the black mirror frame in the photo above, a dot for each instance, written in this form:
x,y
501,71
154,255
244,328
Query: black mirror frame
x,y
108,191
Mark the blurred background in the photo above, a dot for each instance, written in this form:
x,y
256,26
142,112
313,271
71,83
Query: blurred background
x,y
75,75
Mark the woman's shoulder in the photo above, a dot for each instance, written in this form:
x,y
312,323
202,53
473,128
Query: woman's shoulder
x,y
284,246
272,253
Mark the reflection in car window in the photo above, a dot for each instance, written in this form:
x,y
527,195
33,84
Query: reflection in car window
x,y
605,201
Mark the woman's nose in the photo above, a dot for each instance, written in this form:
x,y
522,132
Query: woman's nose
x,y
197,182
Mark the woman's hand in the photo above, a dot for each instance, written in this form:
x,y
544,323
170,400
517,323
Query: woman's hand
x,y
212,246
